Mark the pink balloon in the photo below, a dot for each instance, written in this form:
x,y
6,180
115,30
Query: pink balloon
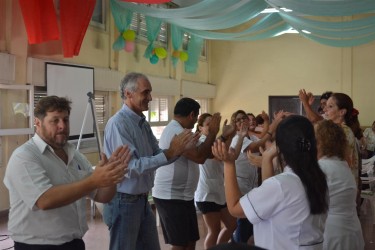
x,y
129,46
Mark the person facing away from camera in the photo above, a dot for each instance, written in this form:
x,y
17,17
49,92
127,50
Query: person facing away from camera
x,y
288,210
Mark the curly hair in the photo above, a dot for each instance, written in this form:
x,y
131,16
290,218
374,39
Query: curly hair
x,y
234,115
201,120
50,104
331,139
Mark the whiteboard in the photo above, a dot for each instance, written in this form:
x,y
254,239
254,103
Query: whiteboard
x,y
73,82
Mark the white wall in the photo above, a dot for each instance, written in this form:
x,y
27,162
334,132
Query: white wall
x,y
246,73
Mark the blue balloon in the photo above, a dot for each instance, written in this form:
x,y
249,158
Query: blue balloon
x,y
154,59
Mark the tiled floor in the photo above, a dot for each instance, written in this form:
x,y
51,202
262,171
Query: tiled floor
x,y
97,236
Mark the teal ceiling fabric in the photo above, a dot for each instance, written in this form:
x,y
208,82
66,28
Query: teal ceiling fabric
x,y
153,27
177,39
338,23
122,20
194,51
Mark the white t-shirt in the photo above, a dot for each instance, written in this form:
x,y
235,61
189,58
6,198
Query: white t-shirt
x,y
177,180
211,181
247,175
280,213
343,229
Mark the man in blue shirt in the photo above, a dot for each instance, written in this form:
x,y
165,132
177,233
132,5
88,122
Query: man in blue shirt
x,y
129,216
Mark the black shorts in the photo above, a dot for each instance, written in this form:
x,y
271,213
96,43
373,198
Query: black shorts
x,y
178,220
76,244
209,207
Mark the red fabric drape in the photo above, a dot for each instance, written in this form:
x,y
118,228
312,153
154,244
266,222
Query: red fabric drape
x,y
40,20
75,17
148,1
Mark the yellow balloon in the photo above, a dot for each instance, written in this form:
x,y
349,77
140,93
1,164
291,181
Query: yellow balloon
x,y
129,35
161,52
184,56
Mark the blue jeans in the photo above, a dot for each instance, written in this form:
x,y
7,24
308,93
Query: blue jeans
x,y
131,223
244,230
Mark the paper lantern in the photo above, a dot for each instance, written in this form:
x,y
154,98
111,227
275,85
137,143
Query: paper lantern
x,y
129,46
161,52
154,59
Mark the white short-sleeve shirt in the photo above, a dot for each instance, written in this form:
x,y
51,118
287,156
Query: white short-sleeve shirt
x,y
280,213
33,168
178,180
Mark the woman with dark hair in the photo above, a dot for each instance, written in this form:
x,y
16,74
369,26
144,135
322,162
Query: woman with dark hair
x,y
210,195
343,229
339,109
288,210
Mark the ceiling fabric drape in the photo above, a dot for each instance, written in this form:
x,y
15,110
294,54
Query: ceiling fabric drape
x,y
338,23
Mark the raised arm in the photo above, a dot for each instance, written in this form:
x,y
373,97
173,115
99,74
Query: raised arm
x,y
203,151
307,100
232,191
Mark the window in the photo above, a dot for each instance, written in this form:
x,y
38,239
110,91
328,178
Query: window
x,y
39,93
204,105
101,101
98,15
158,114
16,116
139,26
185,44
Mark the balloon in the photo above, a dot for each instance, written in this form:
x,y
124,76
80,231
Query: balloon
x,y
154,59
129,35
176,54
129,46
161,52
184,56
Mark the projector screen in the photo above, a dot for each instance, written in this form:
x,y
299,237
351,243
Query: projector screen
x,y
73,82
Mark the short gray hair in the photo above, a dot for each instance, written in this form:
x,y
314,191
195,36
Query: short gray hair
x,y
130,83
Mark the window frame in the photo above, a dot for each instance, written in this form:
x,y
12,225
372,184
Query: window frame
x,y
138,24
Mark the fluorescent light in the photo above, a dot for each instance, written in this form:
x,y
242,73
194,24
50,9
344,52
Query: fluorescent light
x,y
274,10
